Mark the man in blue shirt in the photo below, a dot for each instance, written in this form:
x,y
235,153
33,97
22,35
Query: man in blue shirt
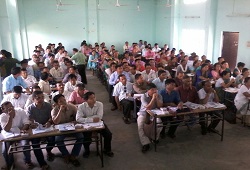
x,y
160,80
14,79
171,98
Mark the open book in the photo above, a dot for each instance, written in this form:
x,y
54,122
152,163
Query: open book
x,y
14,132
214,105
65,127
99,124
41,129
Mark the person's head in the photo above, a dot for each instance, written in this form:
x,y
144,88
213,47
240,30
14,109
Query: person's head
x,y
247,81
61,49
220,59
72,70
75,50
162,74
24,73
151,89
187,81
24,63
152,63
170,84
224,64
122,78
17,91
56,64
35,58
69,64
225,74
44,76
51,57
217,66
245,72
203,58
90,98
207,85
72,79
16,71
7,107
240,65
139,78
112,66
60,100
119,68
40,65
148,67
197,63
80,89
180,75
60,86
38,97
204,67
36,88
183,62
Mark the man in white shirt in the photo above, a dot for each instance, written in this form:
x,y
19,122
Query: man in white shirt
x,y
208,94
28,79
14,118
56,71
160,81
126,46
132,73
148,74
156,48
92,111
122,92
71,84
59,55
17,98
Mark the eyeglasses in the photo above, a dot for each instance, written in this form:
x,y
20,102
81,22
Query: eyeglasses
x,y
125,89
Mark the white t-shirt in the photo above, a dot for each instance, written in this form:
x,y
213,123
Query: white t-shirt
x,y
219,82
240,96
20,102
202,94
121,91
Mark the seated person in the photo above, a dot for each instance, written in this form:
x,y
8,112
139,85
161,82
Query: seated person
x,y
242,98
182,67
178,79
110,70
29,101
17,98
72,70
66,113
76,97
239,80
122,90
150,100
14,118
170,98
222,83
202,74
161,67
208,94
28,79
44,83
60,90
238,70
56,71
139,86
160,80
92,111
34,113
71,84
14,79
216,71
148,74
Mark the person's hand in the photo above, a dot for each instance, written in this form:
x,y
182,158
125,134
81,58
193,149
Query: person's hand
x,y
96,119
33,125
24,131
47,125
11,112
155,95
232,80
180,105
63,107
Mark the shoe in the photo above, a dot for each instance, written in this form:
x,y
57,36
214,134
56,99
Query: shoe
x,y
113,108
86,154
126,121
29,165
45,167
145,148
155,141
203,131
163,135
50,157
67,159
109,153
172,136
212,130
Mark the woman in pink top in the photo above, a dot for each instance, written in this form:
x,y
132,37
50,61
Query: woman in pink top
x,y
216,71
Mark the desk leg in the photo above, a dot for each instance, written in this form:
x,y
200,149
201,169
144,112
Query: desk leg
x,y
155,122
222,126
101,155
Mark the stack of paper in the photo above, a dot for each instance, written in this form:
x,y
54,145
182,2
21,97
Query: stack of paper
x,y
194,105
41,129
93,125
14,132
65,126
159,112
214,105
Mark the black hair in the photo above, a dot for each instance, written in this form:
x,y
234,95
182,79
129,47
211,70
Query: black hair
x,y
73,67
17,89
15,70
169,81
87,95
44,75
118,65
240,64
23,69
35,93
121,75
151,86
204,82
57,97
81,86
223,62
24,61
161,72
71,76
75,49
224,73
246,79
137,76
51,55
244,70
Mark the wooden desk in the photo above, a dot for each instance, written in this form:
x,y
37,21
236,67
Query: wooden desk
x,y
55,132
195,111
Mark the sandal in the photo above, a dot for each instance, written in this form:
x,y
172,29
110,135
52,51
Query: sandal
x,y
29,165
75,162
45,167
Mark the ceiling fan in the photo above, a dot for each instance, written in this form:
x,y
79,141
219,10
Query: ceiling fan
x,y
60,3
118,4
138,6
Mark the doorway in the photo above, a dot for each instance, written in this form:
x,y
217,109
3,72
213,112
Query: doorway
x,y
229,48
